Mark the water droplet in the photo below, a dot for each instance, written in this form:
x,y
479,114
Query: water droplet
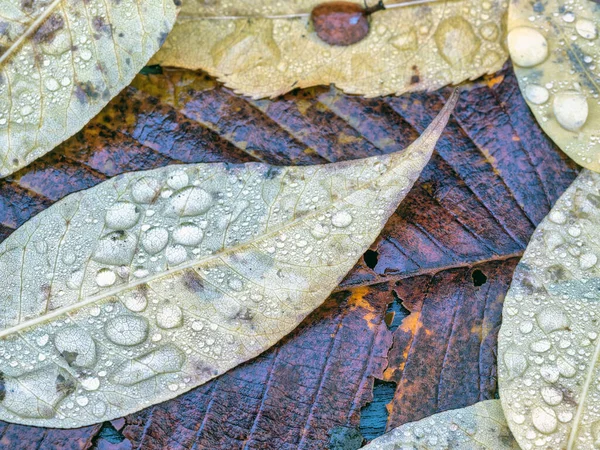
x,y
528,47
587,261
526,327
570,109
456,40
235,284
405,41
166,359
42,340
552,319
145,190
536,94
320,231
516,364
122,215
136,301
99,409
541,346
105,277
341,219
197,325
565,368
90,383
187,234
51,84
178,180
551,395
169,316
586,29
489,31
176,254
115,248
550,373
126,330
544,419
155,239
82,401
190,201
553,240
76,346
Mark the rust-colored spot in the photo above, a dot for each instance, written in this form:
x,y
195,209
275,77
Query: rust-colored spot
x,y
494,81
342,23
48,30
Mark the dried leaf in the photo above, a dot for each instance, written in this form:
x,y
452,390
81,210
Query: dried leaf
x,y
267,48
150,284
548,344
556,52
62,61
481,426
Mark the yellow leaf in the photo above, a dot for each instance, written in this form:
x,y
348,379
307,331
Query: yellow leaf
x,y
266,48
556,51
152,283
61,61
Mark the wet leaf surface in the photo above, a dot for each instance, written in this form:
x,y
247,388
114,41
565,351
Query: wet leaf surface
x,y
493,177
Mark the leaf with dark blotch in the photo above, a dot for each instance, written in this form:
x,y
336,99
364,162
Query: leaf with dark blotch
x,y
493,177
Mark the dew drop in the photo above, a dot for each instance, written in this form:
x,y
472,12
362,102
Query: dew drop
x,y
176,254
516,364
76,346
552,319
341,219
122,215
105,278
536,94
551,395
570,109
541,346
90,383
145,190
565,368
190,201
587,261
126,330
187,234
155,239
99,409
528,47
166,359
544,419
115,248
320,231
197,325
82,400
169,316
586,29
42,340
136,301
235,284
178,180
456,40
550,373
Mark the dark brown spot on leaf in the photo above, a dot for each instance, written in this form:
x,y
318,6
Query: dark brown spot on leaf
x,y
48,30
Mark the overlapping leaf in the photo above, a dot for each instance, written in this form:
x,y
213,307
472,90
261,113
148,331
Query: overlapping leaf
x,y
556,50
549,343
478,427
266,48
150,284
62,61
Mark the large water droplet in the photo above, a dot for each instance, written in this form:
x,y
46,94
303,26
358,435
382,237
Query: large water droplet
x,y
549,373
90,383
541,346
116,248
166,359
176,254
570,109
536,94
155,239
516,363
178,180
190,201
551,395
341,219
586,29
544,419
187,234
552,319
169,316
76,346
105,278
122,215
136,301
456,40
145,190
320,231
126,330
528,47
587,261
566,368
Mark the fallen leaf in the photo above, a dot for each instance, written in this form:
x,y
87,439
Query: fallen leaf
x,y
478,427
548,344
61,62
555,49
146,286
477,186
264,49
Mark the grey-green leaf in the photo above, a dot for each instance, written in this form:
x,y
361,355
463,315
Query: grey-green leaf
x,y
549,342
61,61
478,427
152,283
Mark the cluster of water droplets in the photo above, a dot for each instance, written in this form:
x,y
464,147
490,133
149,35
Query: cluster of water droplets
x,y
550,328
160,280
555,49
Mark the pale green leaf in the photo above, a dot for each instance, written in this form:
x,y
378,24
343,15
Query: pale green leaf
x,y
549,342
61,61
149,284
555,48
264,48
478,427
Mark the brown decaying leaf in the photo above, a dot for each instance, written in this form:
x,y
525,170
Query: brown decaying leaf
x,y
494,176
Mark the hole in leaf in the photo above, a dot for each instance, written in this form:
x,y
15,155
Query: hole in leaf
x,y
395,313
374,416
479,278
110,434
371,257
